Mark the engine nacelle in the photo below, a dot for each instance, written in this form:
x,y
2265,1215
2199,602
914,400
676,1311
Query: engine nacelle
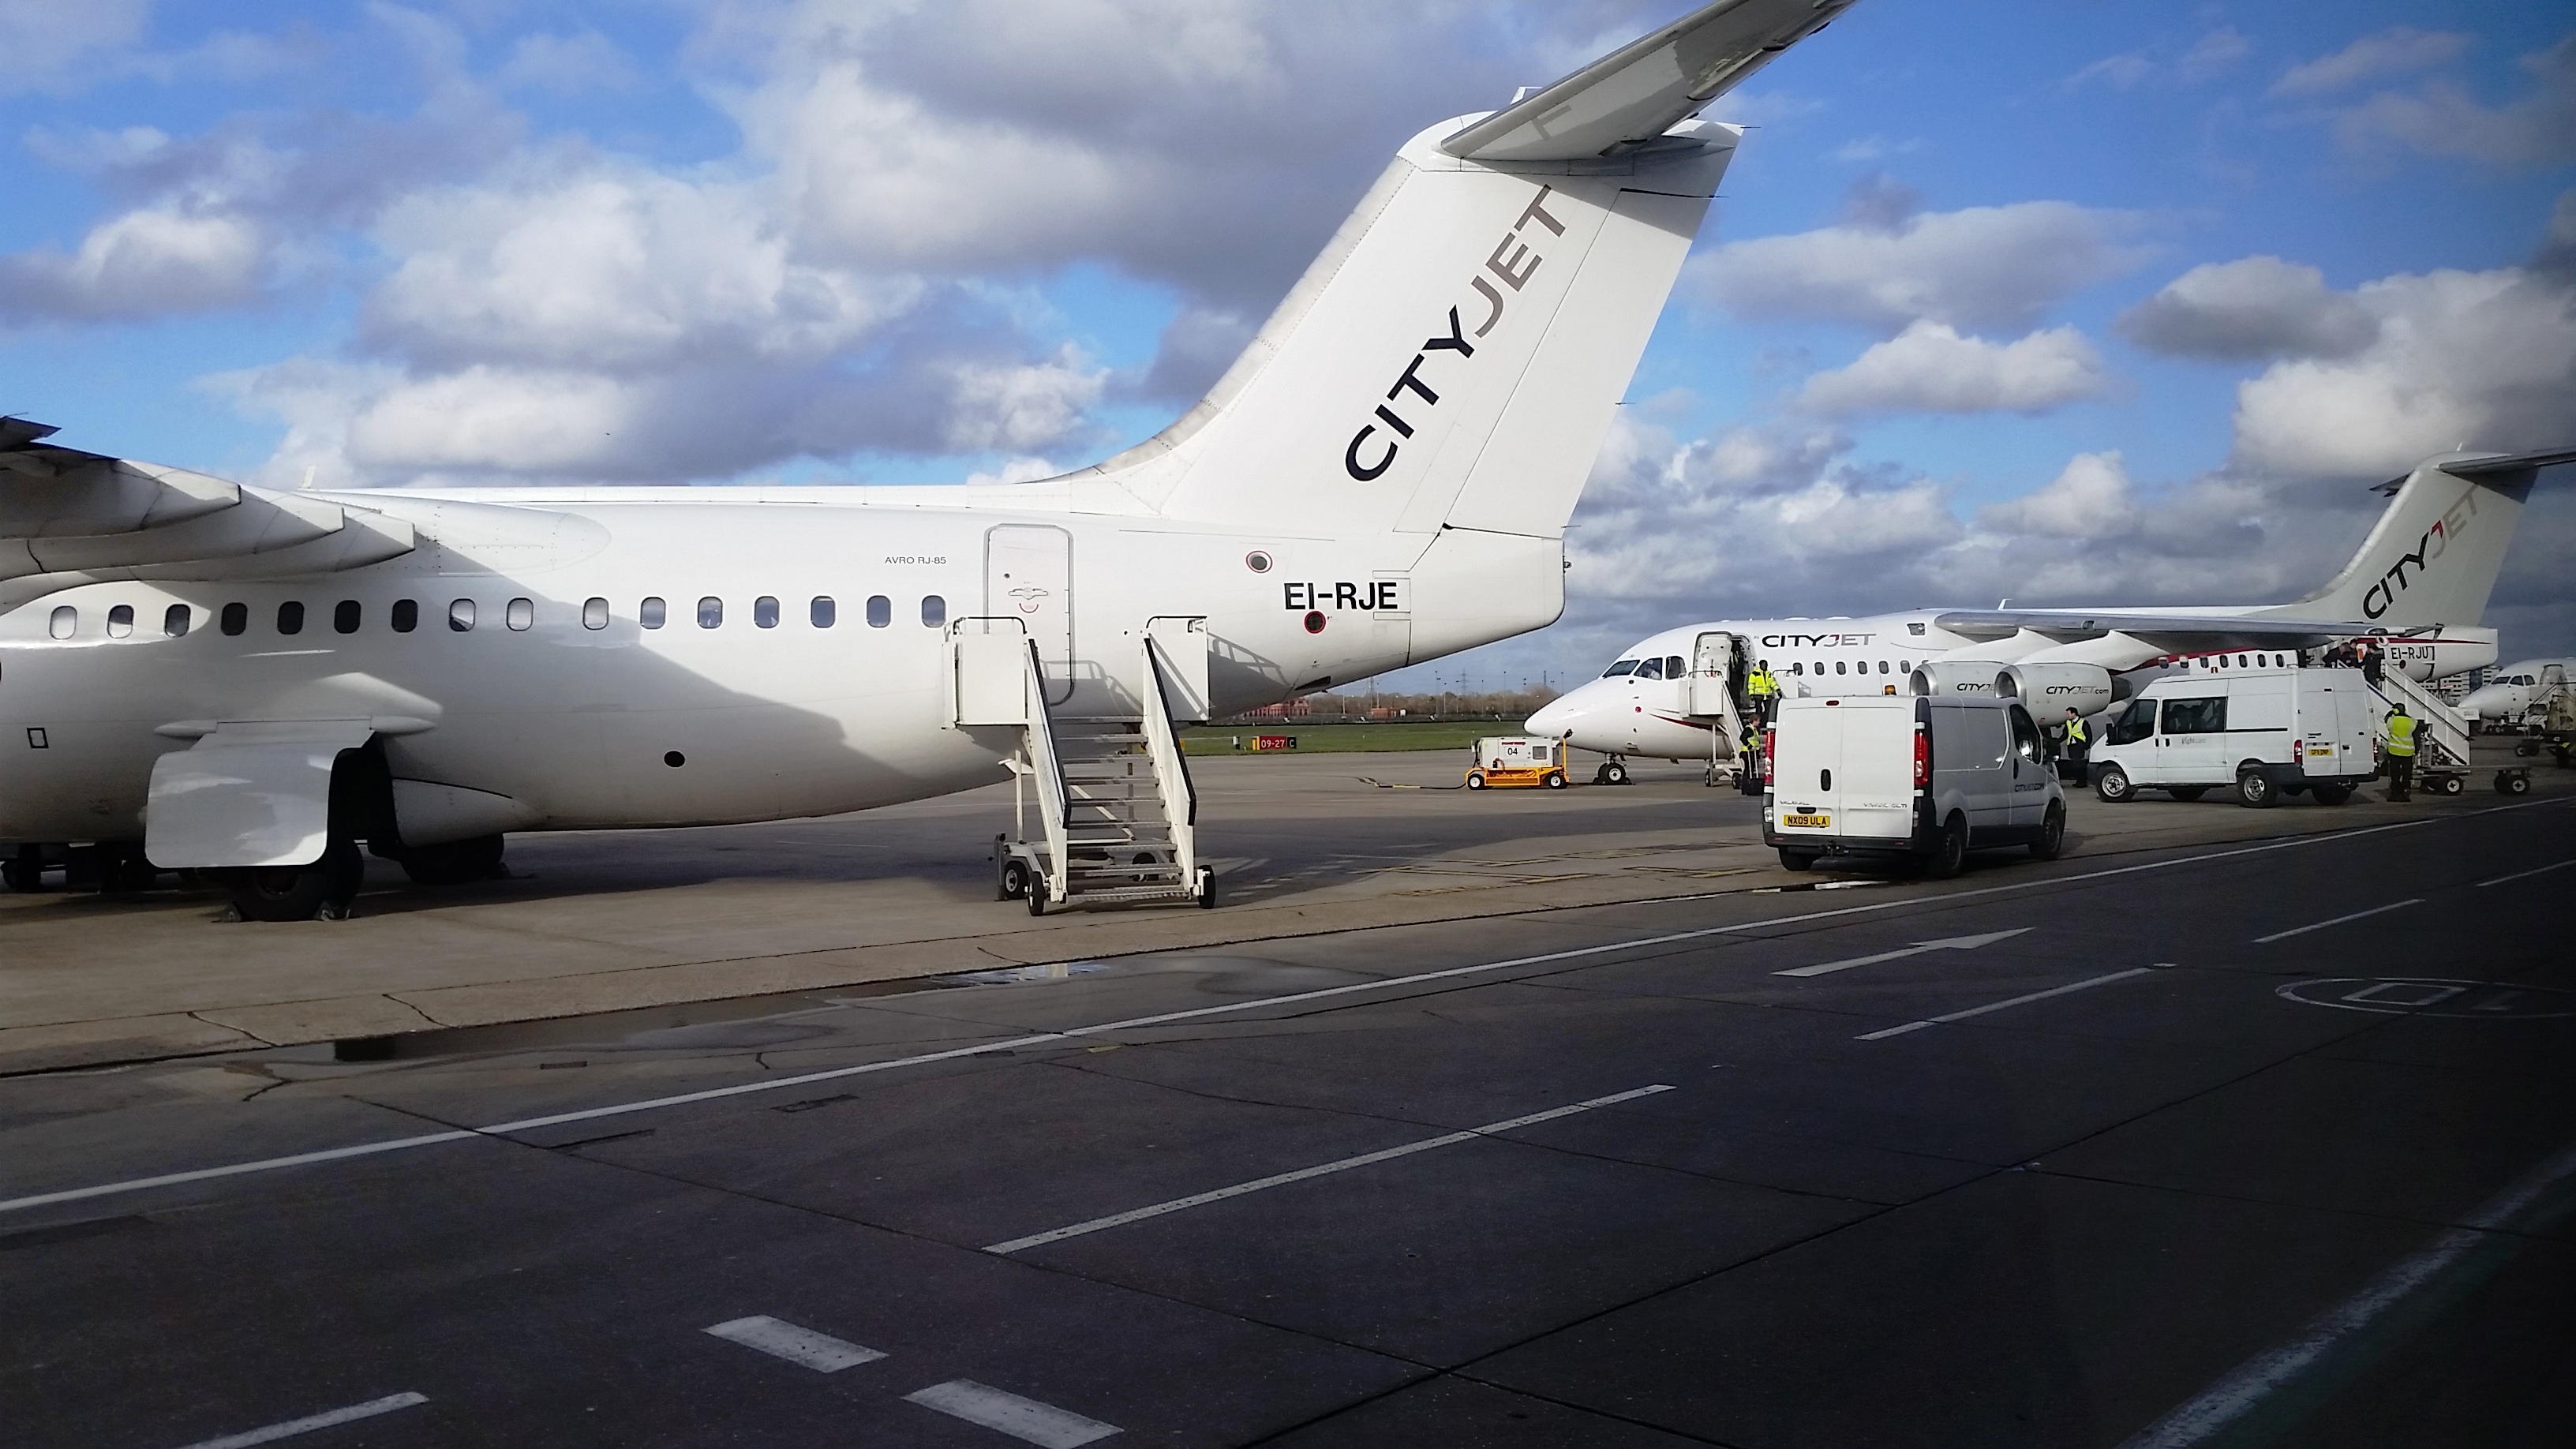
x,y
1949,677
2050,690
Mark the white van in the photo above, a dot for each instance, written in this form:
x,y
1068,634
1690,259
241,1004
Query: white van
x,y
2262,732
1927,778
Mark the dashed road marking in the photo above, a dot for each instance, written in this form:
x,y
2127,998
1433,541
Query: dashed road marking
x,y
778,1338
2526,874
1365,1159
1027,1420
2000,1005
311,1422
1954,943
2337,921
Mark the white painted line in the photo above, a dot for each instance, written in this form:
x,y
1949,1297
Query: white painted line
x,y
2000,1005
1391,983
2526,874
1027,1420
778,1338
311,1422
2337,921
1365,1159
1955,943
2246,1385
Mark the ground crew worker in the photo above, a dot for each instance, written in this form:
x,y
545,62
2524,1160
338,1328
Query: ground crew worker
x,y
2401,754
1763,688
1748,762
2079,743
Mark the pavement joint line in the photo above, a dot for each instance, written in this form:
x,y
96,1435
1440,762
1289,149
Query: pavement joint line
x,y
1026,1420
2525,874
311,1422
45,1199
2000,1005
1365,1159
2337,921
2250,1382
778,1338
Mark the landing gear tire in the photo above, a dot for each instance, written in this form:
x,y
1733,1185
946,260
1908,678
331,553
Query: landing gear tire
x,y
1012,880
2512,782
2188,793
452,862
1951,856
1554,780
1614,773
2113,785
2255,791
2052,836
1797,859
2330,794
325,889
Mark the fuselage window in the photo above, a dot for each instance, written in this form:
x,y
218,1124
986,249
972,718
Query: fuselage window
x,y
764,612
520,614
62,621
290,617
1624,666
1838,666
120,621
652,613
710,612
594,613
1797,668
406,615
460,615
1882,666
880,611
934,611
174,621
345,616
1820,668
1904,666
822,611
236,618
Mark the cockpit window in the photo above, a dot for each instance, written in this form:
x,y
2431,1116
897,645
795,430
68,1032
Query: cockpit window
x,y
2522,679
1624,666
1650,669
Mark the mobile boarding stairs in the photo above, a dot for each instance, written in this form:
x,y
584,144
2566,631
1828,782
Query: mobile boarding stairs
x,y
1117,816
2441,738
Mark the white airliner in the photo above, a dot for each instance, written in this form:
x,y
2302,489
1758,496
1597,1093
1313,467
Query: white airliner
x,y
248,681
2516,687
2417,587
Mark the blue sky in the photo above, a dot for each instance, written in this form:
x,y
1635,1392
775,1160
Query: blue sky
x,y
399,244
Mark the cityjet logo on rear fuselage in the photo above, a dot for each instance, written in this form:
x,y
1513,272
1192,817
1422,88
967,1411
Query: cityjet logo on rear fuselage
x,y
1515,270
2436,541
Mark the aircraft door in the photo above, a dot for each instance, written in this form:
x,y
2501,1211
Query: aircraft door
x,y
1028,576
1712,676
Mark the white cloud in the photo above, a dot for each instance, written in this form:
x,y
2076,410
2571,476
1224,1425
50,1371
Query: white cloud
x,y
55,47
1930,367
2120,72
2254,307
2386,52
148,262
569,64
1984,266
2212,56
2445,120
2090,499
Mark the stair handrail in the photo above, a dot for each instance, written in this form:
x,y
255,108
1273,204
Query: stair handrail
x,y
1171,769
2449,727
1048,772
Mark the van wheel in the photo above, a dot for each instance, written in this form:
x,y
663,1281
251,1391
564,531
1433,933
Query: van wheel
x,y
2052,835
2113,785
2188,793
2330,794
1951,856
2255,791
1554,780
1797,859
2512,782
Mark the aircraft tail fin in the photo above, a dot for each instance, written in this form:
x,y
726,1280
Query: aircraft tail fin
x,y
2434,555
1454,356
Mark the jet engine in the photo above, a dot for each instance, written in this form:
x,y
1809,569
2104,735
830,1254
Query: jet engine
x,y
2049,690
1955,676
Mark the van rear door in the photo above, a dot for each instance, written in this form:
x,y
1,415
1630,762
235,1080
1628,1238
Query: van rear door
x,y
1807,761
1876,784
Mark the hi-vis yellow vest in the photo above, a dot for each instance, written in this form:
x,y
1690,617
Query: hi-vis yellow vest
x,y
2075,732
2401,735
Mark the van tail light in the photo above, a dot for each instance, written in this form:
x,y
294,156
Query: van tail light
x,y
1770,749
1922,760
2298,750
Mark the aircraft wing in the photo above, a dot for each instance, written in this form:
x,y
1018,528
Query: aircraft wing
x,y
69,518
2174,633
1637,93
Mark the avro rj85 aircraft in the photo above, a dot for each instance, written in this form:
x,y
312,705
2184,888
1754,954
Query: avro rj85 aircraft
x,y
2417,589
238,680
2516,688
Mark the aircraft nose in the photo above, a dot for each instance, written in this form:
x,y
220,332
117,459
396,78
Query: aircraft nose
x,y
1554,718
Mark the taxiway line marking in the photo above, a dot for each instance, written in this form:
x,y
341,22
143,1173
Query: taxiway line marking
x,y
2525,874
1955,943
2337,921
650,1104
2000,1005
311,1422
1026,1420
1365,1159
2249,1382
778,1338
